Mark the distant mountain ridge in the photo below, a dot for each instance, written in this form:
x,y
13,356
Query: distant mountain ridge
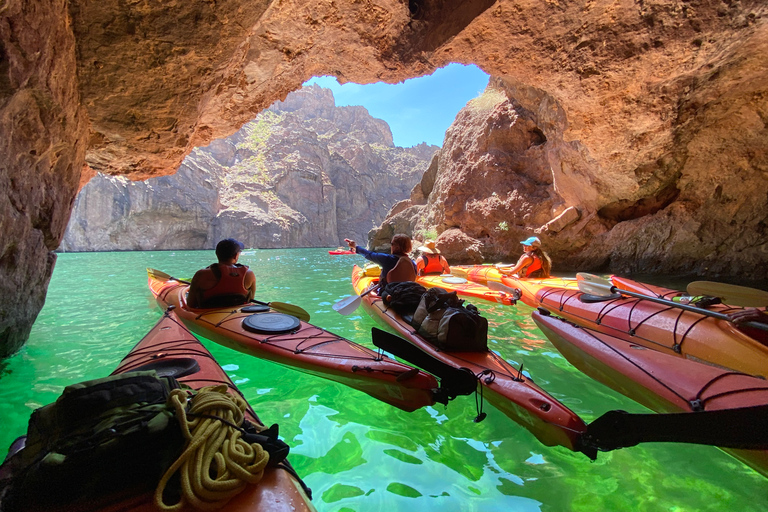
x,y
303,173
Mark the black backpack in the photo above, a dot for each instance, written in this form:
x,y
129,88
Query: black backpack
x,y
442,319
403,297
100,442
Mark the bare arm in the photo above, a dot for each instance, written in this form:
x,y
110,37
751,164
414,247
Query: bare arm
x,y
250,284
523,262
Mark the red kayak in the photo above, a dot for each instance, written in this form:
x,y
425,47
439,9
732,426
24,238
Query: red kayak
x,y
269,334
664,383
661,327
340,251
505,387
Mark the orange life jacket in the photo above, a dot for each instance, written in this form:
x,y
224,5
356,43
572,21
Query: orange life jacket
x,y
535,268
229,290
432,265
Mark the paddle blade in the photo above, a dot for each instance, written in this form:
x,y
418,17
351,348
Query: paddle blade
x,y
290,309
594,285
730,294
348,305
158,274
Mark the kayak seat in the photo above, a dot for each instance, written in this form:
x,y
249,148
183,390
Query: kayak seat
x,y
176,367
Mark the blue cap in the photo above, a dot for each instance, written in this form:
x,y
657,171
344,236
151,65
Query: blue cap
x,y
532,241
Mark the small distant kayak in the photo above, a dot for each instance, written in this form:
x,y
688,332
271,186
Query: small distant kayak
x,y
340,251
505,387
268,334
662,382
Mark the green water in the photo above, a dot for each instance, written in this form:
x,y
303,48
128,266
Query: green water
x,y
358,454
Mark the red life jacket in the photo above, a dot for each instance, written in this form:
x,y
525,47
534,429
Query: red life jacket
x,y
229,290
432,265
535,267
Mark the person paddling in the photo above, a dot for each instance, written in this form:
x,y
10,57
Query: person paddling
x,y
397,266
534,262
223,284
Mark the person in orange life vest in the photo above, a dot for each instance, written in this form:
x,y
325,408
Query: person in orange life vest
x,y
395,267
431,261
223,284
534,262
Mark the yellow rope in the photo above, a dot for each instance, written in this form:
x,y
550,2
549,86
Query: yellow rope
x,y
213,447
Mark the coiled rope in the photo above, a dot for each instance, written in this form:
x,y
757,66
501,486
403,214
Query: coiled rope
x,y
217,463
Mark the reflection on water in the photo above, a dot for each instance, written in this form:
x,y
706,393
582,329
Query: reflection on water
x,y
357,453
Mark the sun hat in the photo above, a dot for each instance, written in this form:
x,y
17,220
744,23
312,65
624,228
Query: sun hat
x,y
532,241
429,247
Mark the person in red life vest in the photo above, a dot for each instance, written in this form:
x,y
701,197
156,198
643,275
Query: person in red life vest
x,y
431,261
223,284
397,266
533,263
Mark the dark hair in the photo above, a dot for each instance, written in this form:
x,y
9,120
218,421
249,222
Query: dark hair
x,y
401,244
228,249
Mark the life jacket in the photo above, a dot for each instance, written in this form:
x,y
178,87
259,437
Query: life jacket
x,y
535,269
229,290
404,270
432,265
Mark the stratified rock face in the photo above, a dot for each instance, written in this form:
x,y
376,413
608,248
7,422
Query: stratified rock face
x,y
304,173
506,172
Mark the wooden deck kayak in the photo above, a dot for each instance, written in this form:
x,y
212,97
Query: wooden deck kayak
x,y
664,383
505,387
304,347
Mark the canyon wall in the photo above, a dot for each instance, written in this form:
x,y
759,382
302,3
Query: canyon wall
x,y
648,91
304,173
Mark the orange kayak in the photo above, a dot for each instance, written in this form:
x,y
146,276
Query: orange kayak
x,y
529,288
662,382
661,327
286,340
466,288
505,387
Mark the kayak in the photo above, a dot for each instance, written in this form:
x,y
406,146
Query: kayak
x,y
528,288
662,382
661,327
505,387
338,252
460,285
170,350
263,332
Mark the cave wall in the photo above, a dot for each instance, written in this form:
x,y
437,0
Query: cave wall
x,y
648,90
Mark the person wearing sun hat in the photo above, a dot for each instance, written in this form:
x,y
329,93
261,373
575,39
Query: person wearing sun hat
x,y
431,261
534,262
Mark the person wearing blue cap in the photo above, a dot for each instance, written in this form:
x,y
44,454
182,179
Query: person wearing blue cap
x,y
534,262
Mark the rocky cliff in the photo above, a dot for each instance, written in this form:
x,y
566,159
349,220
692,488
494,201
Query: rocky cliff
x,y
507,172
304,173
642,91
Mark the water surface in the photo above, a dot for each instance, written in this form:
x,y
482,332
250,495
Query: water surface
x,y
358,454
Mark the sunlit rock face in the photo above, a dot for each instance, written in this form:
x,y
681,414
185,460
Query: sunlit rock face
x,y
648,91
304,173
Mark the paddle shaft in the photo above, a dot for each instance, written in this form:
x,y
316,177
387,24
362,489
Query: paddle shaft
x,y
686,307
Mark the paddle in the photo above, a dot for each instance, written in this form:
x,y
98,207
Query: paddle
x,y
730,293
349,304
453,381
283,307
745,428
594,285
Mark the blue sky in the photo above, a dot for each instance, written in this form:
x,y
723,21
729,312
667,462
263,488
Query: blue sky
x,y
417,110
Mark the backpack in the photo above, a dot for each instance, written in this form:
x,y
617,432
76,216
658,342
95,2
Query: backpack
x,y
101,441
442,319
403,297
